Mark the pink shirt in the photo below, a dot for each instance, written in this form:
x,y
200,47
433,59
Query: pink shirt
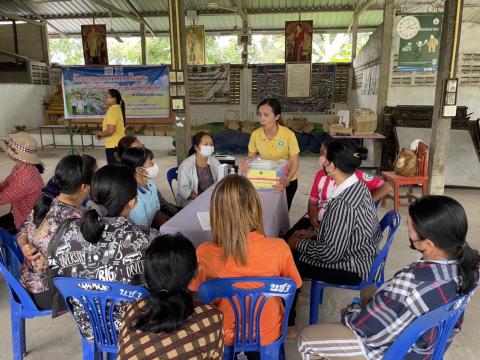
x,y
324,186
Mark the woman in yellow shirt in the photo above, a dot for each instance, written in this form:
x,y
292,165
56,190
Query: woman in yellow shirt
x,y
273,141
113,126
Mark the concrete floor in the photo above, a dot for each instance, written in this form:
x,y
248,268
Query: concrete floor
x,y
59,338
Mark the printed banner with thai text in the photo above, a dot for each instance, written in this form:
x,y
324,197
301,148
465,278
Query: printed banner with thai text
x,y
144,89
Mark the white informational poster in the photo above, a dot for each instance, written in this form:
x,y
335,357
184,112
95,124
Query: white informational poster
x,y
299,78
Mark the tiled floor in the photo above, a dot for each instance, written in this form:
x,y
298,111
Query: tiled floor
x,y
59,339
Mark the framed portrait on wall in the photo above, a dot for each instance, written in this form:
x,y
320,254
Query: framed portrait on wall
x,y
298,41
94,40
195,41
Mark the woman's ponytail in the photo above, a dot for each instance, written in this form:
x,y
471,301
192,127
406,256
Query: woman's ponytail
x,y
42,205
118,98
41,208
91,227
122,106
469,260
167,311
170,265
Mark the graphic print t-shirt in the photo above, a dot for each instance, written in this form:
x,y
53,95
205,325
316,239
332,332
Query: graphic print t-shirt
x,y
118,256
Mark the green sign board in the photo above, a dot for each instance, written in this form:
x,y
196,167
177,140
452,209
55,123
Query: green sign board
x,y
419,41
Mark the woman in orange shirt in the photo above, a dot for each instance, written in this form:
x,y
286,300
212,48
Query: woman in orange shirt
x,y
239,248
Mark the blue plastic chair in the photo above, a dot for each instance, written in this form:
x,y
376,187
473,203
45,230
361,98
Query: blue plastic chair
x,y
172,174
98,299
21,304
391,220
247,337
444,318
14,257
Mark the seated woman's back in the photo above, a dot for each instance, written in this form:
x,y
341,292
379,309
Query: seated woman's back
x,y
239,249
437,228
105,246
169,324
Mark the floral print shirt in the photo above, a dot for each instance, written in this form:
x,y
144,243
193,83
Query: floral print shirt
x,y
33,278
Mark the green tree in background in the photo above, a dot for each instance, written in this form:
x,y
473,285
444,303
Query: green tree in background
x,y
335,47
128,52
66,51
222,50
267,49
158,50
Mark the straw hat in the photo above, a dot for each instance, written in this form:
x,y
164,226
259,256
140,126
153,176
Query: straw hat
x,y
21,146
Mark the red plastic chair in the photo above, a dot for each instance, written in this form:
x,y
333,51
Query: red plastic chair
x,y
397,181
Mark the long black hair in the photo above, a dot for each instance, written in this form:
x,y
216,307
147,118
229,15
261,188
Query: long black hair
x,y
170,265
124,144
197,139
70,174
345,155
113,186
116,94
136,157
443,221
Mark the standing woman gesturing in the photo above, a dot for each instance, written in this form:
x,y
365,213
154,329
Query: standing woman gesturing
x,y
113,126
273,141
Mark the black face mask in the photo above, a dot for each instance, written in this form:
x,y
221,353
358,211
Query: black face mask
x,y
412,245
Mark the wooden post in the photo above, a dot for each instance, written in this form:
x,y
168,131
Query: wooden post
x,y
354,55
143,43
385,61
15,38
244,84
439,142
176,17
46,44
384,76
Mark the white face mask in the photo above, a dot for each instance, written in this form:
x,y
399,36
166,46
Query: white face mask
x,y
152,171
206,151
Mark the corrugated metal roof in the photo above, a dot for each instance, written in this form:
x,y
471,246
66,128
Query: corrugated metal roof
x,y
66,7
113,25
337,14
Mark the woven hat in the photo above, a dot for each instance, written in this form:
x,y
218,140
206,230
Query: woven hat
x,y
21,146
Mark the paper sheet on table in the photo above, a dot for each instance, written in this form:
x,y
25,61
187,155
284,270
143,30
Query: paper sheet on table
x,y
204,220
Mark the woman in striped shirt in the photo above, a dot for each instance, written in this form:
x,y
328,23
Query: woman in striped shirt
x,y
345,245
